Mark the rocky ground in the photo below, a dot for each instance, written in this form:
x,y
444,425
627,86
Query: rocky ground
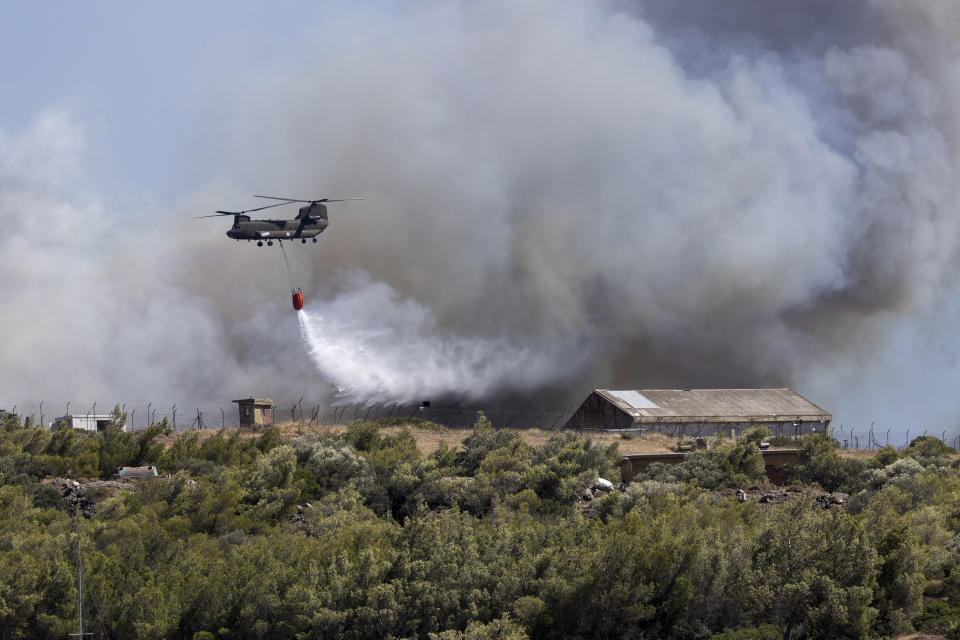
x,y
83,494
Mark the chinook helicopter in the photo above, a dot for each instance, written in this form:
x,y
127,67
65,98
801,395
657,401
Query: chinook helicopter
x,y
310,222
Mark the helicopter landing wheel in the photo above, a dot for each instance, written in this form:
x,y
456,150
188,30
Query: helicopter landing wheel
x,y
314,239
303,240
259,243
269,243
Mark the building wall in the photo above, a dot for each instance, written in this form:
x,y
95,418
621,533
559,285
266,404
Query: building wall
x,y
255,414
774,461
90,422
596,412
732,429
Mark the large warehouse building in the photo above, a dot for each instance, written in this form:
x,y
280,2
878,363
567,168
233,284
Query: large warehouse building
x,y
696,412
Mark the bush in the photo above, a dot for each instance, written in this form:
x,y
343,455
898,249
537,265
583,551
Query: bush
x,y
928,447
333,464
820,463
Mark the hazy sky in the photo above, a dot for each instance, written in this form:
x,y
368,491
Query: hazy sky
x,y
561,195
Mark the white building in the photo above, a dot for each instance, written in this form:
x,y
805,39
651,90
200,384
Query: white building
x,y
88,422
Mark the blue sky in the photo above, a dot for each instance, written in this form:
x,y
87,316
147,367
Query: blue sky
x,y
140,75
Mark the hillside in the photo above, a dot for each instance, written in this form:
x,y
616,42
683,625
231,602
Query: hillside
x,y
426,533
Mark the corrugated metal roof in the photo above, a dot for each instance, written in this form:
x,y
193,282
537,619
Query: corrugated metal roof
x,y
716,405
634,399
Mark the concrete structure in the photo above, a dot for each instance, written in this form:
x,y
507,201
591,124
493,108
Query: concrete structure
x,y
774,461
698,412
135,472
88,422
255,412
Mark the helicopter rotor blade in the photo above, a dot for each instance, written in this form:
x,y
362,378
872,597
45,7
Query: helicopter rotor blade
x,y
285,199
279,204
240,213
307,201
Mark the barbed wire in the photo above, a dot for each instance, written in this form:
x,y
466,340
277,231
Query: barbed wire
x,y
186,417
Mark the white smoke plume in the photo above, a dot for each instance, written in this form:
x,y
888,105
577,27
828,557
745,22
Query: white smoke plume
x,y
559,196
403,356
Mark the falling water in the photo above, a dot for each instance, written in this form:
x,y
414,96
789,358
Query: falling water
x,y
401,356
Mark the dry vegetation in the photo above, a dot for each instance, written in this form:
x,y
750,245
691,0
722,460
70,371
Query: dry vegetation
x,y
429,437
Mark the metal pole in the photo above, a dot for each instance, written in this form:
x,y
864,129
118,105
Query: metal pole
x,y
41,413
149,404
223,418
79,575
174,411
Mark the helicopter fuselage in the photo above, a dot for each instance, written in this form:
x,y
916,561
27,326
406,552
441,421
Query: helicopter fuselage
x,y
275,229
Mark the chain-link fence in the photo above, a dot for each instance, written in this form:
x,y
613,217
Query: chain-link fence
x,y
186,417
873,438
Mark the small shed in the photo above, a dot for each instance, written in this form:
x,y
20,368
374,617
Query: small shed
x,y
696,412
88,422
255,412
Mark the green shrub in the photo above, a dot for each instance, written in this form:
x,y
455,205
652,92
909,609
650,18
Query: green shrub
x,y
928,447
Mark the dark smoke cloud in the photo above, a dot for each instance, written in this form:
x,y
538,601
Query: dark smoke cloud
x,y
642,195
